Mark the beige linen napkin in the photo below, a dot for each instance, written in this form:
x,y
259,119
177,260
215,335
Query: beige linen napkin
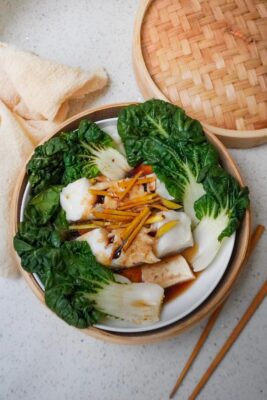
x,y
34,99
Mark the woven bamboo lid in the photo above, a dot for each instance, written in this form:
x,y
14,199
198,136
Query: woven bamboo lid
x,y
209,57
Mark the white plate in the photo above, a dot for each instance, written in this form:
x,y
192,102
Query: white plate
x,y
187,301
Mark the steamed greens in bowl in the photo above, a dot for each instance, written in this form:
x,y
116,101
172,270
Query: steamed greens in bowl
x,y
99,224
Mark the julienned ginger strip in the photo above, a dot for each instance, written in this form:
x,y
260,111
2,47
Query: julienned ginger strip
x,y
111,217
120,212
136,231
130,185
102,193
166,228
139,198
141,203
127,232
140,181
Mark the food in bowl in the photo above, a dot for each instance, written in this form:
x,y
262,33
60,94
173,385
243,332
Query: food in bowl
x,y
112,220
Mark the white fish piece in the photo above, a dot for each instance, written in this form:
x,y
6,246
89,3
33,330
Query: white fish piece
x,y
136,191
151,186
103,185
99,244
77,201
168,272
178,238
162,190
109,202
140,251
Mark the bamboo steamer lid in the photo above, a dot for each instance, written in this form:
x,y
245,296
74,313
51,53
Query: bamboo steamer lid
x,y
219,294
210,58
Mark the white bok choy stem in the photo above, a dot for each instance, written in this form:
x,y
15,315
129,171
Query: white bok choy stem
x,y
110,162
219,212
137,303
206,239
193,191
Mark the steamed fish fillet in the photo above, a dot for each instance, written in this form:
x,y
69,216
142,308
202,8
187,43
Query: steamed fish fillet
x,y
99,243
77,201
140,252
158,187
178,238
109,202
136,191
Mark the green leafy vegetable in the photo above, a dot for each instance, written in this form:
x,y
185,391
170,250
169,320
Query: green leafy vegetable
x,y
220,212
46,167
155,119
67,157
79,160
66,292
41,234
38,248
163,136
86,291
181,169
79,289
43,206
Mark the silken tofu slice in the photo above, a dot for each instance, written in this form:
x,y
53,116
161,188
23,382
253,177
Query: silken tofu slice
x,y
168,272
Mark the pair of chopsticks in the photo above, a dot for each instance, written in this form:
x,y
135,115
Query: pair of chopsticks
x,y
232,337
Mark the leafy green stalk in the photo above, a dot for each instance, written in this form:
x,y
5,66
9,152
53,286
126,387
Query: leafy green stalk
x,y
42,232
77,288
155,119
85,291
160,134
65,158
220,212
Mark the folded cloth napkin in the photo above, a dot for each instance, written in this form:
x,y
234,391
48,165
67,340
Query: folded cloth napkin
x,y
34,99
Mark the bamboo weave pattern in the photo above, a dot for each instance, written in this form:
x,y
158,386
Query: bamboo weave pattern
x,y
210,57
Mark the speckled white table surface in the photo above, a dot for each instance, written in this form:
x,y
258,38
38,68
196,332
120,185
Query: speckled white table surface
x,y
43,358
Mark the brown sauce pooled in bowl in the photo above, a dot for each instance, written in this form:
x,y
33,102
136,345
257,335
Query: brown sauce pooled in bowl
x,y
189,253
174,291
134,274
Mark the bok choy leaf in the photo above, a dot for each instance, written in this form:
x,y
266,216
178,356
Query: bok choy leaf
x,y
220,212
68,157
85,291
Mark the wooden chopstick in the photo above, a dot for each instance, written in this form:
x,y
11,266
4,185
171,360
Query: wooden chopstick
x,y
197,348
231,339
213,318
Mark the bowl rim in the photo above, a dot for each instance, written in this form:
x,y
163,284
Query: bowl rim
x,y
219,294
